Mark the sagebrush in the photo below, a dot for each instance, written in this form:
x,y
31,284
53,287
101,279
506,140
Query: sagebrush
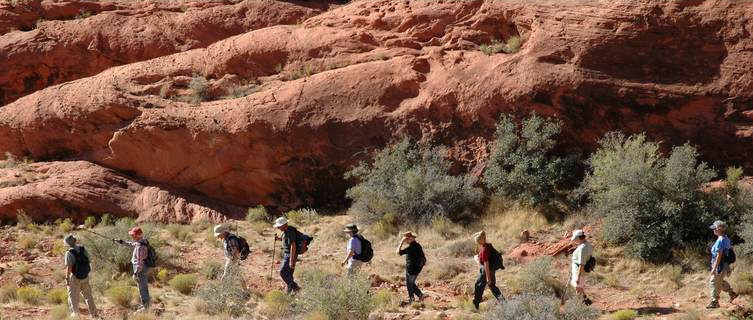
x,y
334,296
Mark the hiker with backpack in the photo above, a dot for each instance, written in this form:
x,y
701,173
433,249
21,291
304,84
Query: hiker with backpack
x,y
236,249
490,260
722,256
358,250
293,243
415,260
77,268
143,258
582,261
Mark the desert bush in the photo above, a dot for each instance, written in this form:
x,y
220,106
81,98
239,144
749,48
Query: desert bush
x,y
411,182
651,202
302,217
64,225
27,241
59,312
385,300
23,268
334,296
746,233
526,307
29,295
257,214
199,87
240,90
522,165
624,314
179,232
116,256
8,293
223,297
184,283
121,295
460,248
742,282
535,278
211,269
90,222
277,304
512,45
106,220
57,296
444,227
575,309
162,275
448,270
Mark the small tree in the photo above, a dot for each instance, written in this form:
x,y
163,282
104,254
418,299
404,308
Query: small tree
x,y
522,165
411,184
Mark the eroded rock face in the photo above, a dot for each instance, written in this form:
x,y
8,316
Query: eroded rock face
x,y
82,38
78,189
329,92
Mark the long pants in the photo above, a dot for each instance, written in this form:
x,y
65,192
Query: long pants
x,y
231,269
353,266
143,284
410,283
718,283
76,288
287,274
481,284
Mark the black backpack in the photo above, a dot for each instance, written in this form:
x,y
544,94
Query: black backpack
x,y
151,256
367,252
730,257
243,247
495,258
590,264
81,266
302,241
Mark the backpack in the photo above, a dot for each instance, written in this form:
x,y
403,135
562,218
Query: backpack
x,y
730,257
367,252
590,264
243,247
151,256
81,266
302,241
495,258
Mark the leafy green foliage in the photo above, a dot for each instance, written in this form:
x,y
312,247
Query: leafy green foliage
x,y
334,296
540,307
228,296
523,166
184,283
411,184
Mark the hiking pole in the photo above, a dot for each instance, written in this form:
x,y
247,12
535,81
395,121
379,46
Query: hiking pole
x,y
272,265
82,227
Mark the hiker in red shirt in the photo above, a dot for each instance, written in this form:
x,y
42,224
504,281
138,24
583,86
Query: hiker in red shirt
x,y
486,271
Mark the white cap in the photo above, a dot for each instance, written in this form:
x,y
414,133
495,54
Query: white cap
x,y
219,229
718,224
281,221
577,234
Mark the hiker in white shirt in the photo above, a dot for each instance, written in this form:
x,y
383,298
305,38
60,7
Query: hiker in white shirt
x,y
580,256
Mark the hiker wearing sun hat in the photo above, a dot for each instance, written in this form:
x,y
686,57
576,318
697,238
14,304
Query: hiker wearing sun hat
x,y
232,245
77,270
721,251
141,258
415,260
289,253
353,250
581,255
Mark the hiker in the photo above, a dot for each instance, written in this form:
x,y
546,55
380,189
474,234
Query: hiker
x,y
486,271
721,251
580,257
77,269
353,249
414,263
290,253
232,249
140,268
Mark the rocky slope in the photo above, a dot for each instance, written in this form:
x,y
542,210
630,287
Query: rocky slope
x,y
320,96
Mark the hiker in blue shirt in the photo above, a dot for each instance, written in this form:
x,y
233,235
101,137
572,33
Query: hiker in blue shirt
x,y
720,269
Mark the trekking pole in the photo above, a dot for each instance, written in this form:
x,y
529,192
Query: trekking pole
x,y
272,265
82,227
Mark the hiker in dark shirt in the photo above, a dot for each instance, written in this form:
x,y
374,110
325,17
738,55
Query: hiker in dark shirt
x,y
414,262
289,253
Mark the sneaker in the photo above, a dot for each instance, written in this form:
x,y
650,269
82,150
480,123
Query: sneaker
x,y
713,305
733,296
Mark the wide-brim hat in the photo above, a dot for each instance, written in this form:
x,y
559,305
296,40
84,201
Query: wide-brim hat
x,y
718,224
577,234
220,229
351,228
409,235
281,221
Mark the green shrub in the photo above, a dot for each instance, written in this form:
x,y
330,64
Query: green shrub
x,y
162,275
121,295
257,214
522,165
8,293
179,232
540,307
211,269
536,278
90,222
444,227
334,296
746,232
65,225
385,300
59,312
624,314
223,297
27,241
29,295
512,45
199,87
57,296
106,220
184,283
116,256
277,304
23,268
575,309
460,248
413,183
651,202
302,217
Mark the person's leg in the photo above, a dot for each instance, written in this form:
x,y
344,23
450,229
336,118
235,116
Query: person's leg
x,y
714,286
86,291
409,284
478,292
353,266
143,283
287,275
493,286
416,290
73,294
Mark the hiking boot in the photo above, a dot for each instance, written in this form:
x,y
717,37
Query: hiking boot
x,y
475,304
733,296
713,305
587,301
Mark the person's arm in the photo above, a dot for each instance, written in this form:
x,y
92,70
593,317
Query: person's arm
x,y
400,246
351,253
293,255
487,271
141,256
68,269
717,262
